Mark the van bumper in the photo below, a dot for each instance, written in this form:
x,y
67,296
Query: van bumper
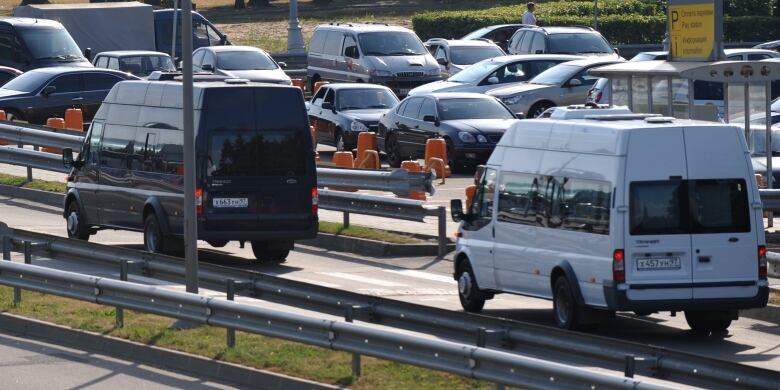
x,y
258,235
618,300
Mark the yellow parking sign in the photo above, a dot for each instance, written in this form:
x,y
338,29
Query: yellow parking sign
x,y
692,30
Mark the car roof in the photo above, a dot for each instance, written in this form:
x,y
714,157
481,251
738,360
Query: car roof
x,y
536,57
361,27
126,53
461,42
339,86
55,70
29,22
228,48
564,29
748,51
455,95
592,60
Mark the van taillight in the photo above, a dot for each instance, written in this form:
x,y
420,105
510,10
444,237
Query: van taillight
x,y
199,201
619,266
315,201
762,265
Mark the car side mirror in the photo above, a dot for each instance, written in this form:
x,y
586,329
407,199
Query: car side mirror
x,y
456,210
283,65
442,61
352,52
223,41
67,158
617,51
88,53
431,118
207,67
50,89
328,106
575,82
493,80
539,51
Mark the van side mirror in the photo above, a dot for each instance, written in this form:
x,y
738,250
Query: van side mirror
x,y
328,106
431,119
617,50
50,89
456,210
442,61
88,54
223,41
283,65
67,158
207,67
493,80
352,52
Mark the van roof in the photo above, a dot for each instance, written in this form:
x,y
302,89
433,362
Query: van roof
x,y
29,22
361,27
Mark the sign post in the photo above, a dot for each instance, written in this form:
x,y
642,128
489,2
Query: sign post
x,y
695,30
190,222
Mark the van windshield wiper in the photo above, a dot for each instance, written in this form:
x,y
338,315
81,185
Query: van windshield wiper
x,y
403,53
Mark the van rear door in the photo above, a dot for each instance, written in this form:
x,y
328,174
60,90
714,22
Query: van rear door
x,y
725,244
658,245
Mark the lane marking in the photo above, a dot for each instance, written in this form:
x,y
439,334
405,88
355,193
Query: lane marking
x,y
311,281
362,279
423,275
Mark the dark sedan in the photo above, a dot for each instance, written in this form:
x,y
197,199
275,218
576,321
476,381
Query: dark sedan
x,y
471,123
45,93
7,74
340,112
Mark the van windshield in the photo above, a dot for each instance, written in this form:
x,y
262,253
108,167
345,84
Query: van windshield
x,y
50,43
689,207
392,43
241,153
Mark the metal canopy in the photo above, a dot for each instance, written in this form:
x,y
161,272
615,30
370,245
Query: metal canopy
x,y
645,68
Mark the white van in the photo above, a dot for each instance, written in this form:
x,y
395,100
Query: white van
x,y
605,213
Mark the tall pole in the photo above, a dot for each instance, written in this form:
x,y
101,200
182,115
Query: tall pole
x,y
294,34
595,14
175,17
190,223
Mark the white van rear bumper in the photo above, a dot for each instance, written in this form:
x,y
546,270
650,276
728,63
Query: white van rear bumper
x,y
617,299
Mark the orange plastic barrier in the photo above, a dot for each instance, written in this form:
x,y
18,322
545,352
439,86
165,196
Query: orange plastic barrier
x,y
318,84
370,160
2,118
436,157
74,119
300,84
314,142
57,123
367,151
414,166
470,192
343,160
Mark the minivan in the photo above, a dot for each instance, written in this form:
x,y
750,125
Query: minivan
x,y
256,175
372,53
37,43
603,211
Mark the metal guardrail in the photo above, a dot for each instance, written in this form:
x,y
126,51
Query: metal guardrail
x,y
466,360
531,339
399,181
773,264
32,159
40,137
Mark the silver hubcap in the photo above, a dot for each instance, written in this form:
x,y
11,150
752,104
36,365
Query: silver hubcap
x,y
464,284
562,307
340,144
73,222
151,241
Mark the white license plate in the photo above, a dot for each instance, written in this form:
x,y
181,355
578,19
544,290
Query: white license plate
x,y
658,263
227,203
404,91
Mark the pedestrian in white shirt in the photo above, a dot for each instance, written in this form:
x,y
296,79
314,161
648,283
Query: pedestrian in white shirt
x,y
528,16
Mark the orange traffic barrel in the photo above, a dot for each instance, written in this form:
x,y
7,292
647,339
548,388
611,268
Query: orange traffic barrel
x,y
343,160
3,118
470,192
299,83
74,119
318,84
367,142
370,160
436,148
414,166
57,123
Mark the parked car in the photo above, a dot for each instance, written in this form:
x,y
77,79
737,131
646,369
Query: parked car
x,y
771,45
38,43
340,112
492,73
7,74
43,93
471,124
456,55
136,62
372,53
256,176
499,34
561,85
244,62
616,215
561,40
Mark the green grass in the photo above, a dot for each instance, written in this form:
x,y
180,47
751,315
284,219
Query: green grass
x,y
368,233
36,184
290,358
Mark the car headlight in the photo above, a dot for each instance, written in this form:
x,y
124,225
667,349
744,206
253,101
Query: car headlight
x,y
357,126
381,73
512,100
481,138
467,137
433,72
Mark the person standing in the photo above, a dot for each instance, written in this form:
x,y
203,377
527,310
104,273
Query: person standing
x,y
529,17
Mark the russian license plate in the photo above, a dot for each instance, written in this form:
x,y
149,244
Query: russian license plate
x,y
658,263
404,91
228,203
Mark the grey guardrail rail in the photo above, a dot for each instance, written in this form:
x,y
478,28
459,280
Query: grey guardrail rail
x,y
31,158
491,332
398,181
39,137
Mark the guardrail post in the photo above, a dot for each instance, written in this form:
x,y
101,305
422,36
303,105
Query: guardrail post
x,y
442,231
349,316
630,366
120,312
27,260
231,294
7,248
346,220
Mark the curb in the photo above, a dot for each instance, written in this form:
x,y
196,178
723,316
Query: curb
x,y
363,246
38,196
189,364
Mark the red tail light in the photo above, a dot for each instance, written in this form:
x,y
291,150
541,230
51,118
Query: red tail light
x,y
619,266
762,265
315,201
199,201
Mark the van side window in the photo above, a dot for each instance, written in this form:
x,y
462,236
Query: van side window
x,y
102,62
113,63
585,206
333,43
144,150
518,198
117,147
169,152
93,148
482,206
318,41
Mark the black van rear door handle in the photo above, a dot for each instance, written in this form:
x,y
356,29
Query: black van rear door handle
x,y
733,239
704,259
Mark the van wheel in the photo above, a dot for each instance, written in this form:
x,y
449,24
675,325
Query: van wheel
x,y
471,297
262,253
565,307
153,236
707,321
75,222
393,151
217,244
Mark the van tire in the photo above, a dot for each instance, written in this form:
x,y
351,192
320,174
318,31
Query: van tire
x,y
392,149
707,321
153,235
262,253
472,298
565,307
75,222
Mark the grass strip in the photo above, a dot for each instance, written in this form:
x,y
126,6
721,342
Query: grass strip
x,y
36,184
290,358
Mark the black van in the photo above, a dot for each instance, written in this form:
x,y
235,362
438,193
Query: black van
x,y
27,43
256,175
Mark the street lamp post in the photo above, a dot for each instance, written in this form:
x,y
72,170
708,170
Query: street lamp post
x,y
190,222
294,34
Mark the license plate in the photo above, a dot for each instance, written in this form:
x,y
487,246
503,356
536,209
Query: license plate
x,y
658,263
404,91
227,203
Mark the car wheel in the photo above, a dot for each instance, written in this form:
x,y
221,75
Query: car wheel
x,y
455,165
76,223
538,108
707,321
393,151
472,298
13,116
153,236
262,253
565,307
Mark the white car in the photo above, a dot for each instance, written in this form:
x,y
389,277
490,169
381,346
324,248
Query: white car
x,y
455,55
499,71
616,212
241,62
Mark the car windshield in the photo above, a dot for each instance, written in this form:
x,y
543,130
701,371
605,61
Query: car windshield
x,y
476,108
28,81
50,43
471,55
775,106
244,60
145,65
475,73
476,33
555,75
574,43
391,43
361,99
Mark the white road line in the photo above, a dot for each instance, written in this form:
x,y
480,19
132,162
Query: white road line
x,y
362,279
310,281
423,275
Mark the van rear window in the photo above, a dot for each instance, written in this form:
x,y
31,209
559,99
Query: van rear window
x,y
240,153
689,207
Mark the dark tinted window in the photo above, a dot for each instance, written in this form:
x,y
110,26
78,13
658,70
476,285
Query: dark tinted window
x,y
99,82
5,77
67,83
93,147
518,199
236,153
333,43
50,43
355,99
144,151
391,43
28,81
7,47
707,90
412,108
117,147
454,109
317,41
573,43
758,57
169,152
244,60
689,207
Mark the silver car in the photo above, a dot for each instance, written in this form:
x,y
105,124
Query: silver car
x,y
561,85
243,62
372,53
455,55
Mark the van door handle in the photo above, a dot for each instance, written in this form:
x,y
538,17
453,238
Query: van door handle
x,y
733,239
704,259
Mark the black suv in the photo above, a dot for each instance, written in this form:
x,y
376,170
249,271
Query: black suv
x,y
560,40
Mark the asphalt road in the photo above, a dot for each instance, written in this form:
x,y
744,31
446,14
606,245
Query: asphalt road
x,y
427,281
